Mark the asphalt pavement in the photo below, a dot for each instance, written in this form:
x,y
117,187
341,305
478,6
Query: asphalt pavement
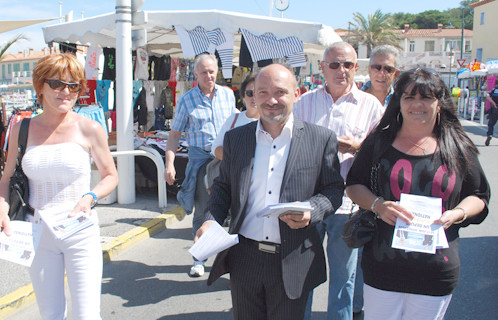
x,y
147,277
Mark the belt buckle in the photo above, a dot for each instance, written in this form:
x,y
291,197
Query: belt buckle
x,y
268,248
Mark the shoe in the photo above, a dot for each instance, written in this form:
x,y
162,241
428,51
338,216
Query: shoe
x,y
488,139
197,269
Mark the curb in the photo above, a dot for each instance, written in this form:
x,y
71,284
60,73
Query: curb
x,y
25,295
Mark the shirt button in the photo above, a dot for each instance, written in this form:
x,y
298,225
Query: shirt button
x,y
274,147
271,169
269,192
266,238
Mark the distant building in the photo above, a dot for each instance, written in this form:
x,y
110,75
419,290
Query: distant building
x,y
485,25
18,67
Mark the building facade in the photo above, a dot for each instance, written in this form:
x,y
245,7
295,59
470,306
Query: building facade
x,y
485,26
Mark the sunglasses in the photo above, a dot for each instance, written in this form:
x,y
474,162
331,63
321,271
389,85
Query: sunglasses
x,y
250,93
61,85
336,64
387,69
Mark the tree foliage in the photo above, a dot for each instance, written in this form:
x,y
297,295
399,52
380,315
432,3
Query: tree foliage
x,y
451,18
374,30
5,47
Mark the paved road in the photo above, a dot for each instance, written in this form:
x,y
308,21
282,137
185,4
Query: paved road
x,y
149,280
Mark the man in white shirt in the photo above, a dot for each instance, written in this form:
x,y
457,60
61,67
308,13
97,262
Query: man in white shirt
x,y
351,114
277,159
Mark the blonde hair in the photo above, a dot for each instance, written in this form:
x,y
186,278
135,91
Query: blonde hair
x,y
56,65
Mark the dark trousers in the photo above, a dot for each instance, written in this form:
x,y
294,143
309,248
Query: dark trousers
x,y
257,287
493,117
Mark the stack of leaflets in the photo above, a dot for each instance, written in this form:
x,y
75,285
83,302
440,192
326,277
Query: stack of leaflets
x,y
285,208
422,235
21,246
62,226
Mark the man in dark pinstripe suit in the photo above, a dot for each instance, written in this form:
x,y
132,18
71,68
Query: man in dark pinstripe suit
x,y
275,160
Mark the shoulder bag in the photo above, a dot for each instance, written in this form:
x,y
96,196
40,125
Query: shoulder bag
x,y
18,184
213,167
361,225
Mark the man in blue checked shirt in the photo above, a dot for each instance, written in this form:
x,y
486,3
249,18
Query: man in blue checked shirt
x,y
200,113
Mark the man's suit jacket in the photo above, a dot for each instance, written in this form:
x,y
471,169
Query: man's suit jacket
x,y
312,174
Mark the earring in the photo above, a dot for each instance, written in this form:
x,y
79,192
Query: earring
x,y
397,118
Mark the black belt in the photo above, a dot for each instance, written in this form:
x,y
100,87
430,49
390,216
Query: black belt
x,y
268,247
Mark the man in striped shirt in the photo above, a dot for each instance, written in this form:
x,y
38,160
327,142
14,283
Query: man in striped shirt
x,y
340,106
201,113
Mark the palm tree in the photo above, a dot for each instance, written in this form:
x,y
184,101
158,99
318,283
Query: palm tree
x,y
373,31
4,49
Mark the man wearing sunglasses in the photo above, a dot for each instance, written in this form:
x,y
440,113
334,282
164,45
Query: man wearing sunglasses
x,y
351,114
382,71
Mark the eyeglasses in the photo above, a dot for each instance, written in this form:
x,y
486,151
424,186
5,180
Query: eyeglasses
x,y
336,64
250,93
387,69
61,85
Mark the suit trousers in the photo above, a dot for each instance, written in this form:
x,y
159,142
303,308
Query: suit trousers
x,y
257,287
80,255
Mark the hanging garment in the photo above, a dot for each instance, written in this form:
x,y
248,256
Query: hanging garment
x,y
267,46
88,97
140,109
68,47
109,64
92,62
102,93
200,40
175,62
141,65
162,68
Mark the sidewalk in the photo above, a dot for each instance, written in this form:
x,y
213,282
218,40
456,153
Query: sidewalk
x,y
120,227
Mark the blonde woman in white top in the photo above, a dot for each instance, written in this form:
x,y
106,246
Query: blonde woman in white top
x,y
57,163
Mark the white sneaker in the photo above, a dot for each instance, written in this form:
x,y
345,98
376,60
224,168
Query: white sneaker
x,y
197,269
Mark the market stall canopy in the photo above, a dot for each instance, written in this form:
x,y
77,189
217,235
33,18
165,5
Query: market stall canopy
x,y
464,73
492,66
6,26
162,38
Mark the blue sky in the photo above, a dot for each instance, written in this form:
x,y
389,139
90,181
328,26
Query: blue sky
x,y
330,12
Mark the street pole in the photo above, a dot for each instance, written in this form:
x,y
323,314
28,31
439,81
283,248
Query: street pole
x,y
462,45
124,114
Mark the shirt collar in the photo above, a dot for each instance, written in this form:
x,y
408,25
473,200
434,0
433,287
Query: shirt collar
x,y
353,92
286,130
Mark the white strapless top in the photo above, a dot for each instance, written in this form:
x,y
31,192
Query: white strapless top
x,y
59,174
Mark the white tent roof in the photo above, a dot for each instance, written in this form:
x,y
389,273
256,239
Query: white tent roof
x,y
162,38
16,24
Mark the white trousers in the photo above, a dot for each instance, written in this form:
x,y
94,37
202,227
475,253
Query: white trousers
x,y
389,305
80,255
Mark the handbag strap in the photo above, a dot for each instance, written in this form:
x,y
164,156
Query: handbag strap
x,y
234,120
22,139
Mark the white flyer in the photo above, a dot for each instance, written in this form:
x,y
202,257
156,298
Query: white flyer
x,y
21,246
215,239
62,226
422,235
280,208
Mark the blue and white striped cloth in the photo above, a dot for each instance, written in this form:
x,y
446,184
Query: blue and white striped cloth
x,y
199,40
202,118
267,46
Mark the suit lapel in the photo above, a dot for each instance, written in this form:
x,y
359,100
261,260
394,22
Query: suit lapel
x,y
249,147
296,145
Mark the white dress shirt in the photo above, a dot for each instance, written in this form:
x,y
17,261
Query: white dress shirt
x,y
355,114
270,159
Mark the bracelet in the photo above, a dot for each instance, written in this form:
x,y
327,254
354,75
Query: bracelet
x,y
464,215
373,205
94,196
